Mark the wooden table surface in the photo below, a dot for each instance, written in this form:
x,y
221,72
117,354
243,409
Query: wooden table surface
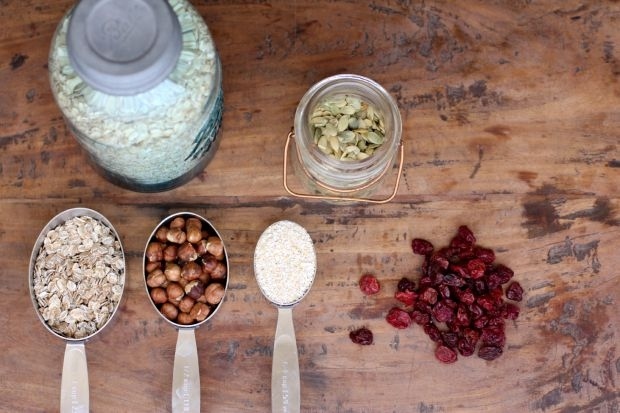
x,y
511,125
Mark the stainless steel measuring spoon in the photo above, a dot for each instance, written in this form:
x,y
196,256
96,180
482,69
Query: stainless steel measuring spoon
x,y
74,388
285,267
186,373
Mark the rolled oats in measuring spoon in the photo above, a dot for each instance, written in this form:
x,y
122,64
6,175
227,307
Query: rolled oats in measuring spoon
x,y
285,266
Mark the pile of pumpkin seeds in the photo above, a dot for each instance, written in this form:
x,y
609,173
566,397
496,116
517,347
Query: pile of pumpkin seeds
x,y
347,128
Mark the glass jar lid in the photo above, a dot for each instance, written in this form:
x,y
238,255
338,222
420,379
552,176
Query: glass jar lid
x,y
123,47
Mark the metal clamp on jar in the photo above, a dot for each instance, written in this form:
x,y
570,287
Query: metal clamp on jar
x,y
347,135
140,86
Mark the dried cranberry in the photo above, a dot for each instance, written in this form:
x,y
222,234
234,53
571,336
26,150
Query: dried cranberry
x,y
475,310
429,295
481,322
486,302
465,296
449,338
421,246
505,273
405,284
465,347
485,255
445,354
462,316
480,286
460,270
369,284
514,291
476,268
398,318
406,297
453,280
442,312
425,282
444,291
510,311
433,332
493,281
362,336
467,234
489,352
493,336
419,317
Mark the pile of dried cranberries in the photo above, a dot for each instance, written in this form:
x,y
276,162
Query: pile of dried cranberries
x,y
459,298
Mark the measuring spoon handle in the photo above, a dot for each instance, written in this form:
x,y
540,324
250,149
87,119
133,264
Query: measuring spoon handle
x,y
186,374
74,396
285,393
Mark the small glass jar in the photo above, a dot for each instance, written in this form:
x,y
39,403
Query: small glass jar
x,y
139,83
331,178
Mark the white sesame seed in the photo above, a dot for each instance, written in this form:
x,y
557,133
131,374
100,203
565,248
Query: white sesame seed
x,y
284,263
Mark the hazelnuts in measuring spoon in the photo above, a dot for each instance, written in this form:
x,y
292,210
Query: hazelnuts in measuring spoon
x,y
185,269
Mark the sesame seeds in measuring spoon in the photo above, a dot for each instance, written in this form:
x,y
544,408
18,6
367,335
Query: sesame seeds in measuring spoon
x,y
284,263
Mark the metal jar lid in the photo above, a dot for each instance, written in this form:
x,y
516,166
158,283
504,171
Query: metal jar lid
x,y
123,47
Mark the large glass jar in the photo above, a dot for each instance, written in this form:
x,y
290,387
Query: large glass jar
x,y
139,83
339,177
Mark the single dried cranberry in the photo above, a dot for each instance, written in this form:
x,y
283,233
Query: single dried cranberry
x,y
496,321
369,284
486,302
442,312
475,310
445,354
406,297
419,317
493,336
510,311
405,284
425,282
433,332
462,316
481,322
461,245
362,336
439,261
486,255
421,246
465,296
471,335
444,291
460,270
429,295
514,291
496,294
480,286
467,234
449,338
476,268
465,347
453,280
423,306
504,273
398,318
489,352
493,281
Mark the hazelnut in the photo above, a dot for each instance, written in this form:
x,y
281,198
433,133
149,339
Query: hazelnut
x,y
178,222
182,282
193,235
186,304
176,235
152,266
200,311
214,293
193,222
161,234
158,295
219,272
208,263
172,271
204,277
186,252
201,246
175,293
170,253
154,252
155,278
185,318
169,311
191,271
194,289
215,246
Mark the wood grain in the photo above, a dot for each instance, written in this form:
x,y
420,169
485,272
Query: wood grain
x,y
511,114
